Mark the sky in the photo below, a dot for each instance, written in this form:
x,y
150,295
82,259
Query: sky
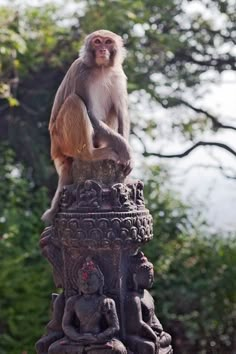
x,y
196,177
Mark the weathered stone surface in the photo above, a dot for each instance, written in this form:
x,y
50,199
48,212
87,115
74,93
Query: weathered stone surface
x,y
103,219
105,172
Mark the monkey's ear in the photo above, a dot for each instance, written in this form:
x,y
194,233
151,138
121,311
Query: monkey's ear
x,y
120,40
123,53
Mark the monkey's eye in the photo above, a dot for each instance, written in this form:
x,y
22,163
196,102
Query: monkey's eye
x,y
108,41
97,41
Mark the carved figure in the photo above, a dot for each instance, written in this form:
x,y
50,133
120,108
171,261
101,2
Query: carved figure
x,y
89,195
54,327
89,118
121,196
139,193
145,333
52,251
90,321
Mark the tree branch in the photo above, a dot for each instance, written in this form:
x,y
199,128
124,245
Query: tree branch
x,y
140,140
215,122
188,151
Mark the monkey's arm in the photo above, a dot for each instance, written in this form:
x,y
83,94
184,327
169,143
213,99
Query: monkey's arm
x,y
123,121
115,140
121,107
66,88
108,134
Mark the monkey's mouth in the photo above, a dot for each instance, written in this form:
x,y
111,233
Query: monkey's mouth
x,y
103,56
102,59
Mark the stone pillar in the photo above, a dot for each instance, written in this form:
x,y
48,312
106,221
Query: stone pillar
x,y
95,238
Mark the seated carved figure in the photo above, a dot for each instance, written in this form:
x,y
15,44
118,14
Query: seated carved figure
x,y
54,328
90,321
145,333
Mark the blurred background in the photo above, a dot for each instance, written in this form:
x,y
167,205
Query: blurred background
x,y
182,82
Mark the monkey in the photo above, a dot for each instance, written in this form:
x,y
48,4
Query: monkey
x,y
89,118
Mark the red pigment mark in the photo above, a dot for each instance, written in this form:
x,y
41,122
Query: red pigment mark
x,y
85,276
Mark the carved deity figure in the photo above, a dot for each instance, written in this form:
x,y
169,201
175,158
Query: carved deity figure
x,y
88,195
54,327
90,320
145,333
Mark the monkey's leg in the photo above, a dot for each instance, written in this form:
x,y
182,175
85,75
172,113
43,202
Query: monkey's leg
x,y
75,133
72,136
72,131
63,167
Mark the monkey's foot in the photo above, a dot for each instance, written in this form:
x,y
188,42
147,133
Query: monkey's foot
x,y
49,215
126,165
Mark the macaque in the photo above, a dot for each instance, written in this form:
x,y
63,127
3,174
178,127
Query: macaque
x,y
89,118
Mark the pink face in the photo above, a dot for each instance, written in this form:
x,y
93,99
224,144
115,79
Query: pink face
x,y
103,48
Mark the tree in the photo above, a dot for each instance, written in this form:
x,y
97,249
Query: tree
x,y
195,287
24,292
169,52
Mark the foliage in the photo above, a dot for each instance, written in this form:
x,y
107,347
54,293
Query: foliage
x,y
172,52
195,283
25,279
169,52
47,48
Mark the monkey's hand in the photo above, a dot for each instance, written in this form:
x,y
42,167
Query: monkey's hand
x,y
121,150
124,156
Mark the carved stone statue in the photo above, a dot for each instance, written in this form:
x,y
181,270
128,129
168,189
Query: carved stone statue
x,y
145,333
90,322
54,327
89,195
107,222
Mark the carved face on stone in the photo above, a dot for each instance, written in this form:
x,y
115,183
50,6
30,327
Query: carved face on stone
x,y
144,278
91,279
89,284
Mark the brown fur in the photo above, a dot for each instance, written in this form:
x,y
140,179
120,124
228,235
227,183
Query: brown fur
x,y
89,118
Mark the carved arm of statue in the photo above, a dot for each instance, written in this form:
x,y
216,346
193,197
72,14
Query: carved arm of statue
x,y
68,321
109,311
54,328
137,326
156,324
145,332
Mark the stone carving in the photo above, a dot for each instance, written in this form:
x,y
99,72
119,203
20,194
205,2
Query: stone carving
x,y
92,195
68,195
106,225
145,333
89,195
90,321
121,197
54,327
121,229
51,250
139,194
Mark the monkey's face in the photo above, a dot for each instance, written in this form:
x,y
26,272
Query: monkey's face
x,y
104,49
